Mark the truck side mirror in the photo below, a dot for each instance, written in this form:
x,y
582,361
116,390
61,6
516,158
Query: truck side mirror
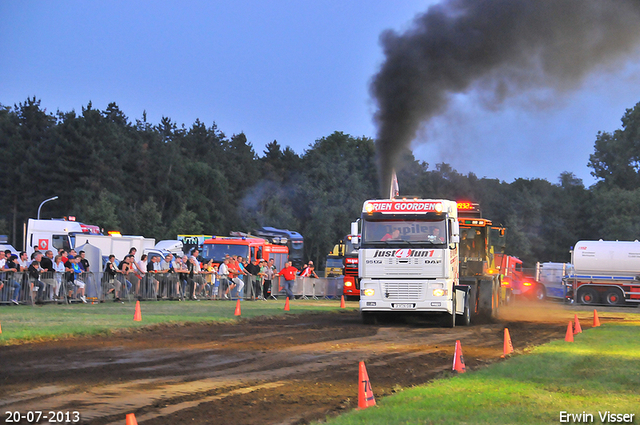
x,y
455,231
355,236
354,229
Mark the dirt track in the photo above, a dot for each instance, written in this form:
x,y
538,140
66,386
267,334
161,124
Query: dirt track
x,y
285,370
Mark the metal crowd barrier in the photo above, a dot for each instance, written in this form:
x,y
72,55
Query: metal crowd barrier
x,y
100,287
310,288
13,287
49,287
150,286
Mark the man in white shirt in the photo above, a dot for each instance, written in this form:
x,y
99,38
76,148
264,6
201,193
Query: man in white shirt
x,y
23,260
223,275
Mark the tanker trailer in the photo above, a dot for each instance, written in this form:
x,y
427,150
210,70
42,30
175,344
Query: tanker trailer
x,y
605,272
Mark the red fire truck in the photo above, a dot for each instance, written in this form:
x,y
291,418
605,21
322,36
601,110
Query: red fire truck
x,y
515,277
218,247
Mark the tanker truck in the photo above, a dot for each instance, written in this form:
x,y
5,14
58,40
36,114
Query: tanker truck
x,y
604,272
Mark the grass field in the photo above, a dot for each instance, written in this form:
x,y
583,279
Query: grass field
x,y
26,323
599,372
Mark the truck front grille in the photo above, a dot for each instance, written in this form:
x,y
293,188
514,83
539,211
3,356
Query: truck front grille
x,y
402,290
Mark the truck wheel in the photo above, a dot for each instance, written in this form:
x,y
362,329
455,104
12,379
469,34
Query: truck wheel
x,y
497,295
613,297
486,299
588,296
539,293
508,296
465,319
369,318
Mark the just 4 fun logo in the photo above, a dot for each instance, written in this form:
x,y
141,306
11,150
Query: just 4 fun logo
x,y
404,253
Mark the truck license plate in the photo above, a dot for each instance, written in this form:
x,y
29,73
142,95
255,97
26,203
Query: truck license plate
x,y
402,305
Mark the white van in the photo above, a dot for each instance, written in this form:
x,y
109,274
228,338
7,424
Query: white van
x,y
55,234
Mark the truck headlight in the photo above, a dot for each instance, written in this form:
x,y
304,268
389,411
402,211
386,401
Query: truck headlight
x,y
439,292
369,292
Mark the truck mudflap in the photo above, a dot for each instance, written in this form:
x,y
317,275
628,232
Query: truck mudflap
x,y
463,305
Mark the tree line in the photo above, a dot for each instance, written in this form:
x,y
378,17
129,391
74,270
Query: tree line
x,y
164,179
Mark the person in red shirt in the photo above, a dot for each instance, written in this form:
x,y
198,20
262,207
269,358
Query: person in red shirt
x,y
234,273
63,254
289,273
395,234
309,271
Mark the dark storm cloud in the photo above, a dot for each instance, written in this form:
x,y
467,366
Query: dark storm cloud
x,y
498,47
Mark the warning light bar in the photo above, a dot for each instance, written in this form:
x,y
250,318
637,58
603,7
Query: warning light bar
x,y
468,206
480,223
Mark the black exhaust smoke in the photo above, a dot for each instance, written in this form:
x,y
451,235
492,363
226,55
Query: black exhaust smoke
x,y
498,47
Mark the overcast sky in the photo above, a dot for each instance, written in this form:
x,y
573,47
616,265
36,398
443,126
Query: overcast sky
x,y
291,71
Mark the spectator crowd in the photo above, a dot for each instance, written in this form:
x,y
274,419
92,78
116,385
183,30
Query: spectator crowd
x,y
68,277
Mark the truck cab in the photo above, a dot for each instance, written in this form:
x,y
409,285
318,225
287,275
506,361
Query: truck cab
x,y
408,260
55,234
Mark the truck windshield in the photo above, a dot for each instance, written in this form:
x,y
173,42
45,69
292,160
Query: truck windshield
x,y
217,252
408,232
473,243
335,263
296,252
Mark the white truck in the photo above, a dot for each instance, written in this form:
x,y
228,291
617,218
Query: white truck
x,y
606,272
408,260
56,234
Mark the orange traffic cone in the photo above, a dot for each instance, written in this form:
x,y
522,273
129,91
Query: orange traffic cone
x,y
365,392
569,335
137,315
342,302
131,419
577,329
286,305
508,347
596,320
458,359
0,328
237,313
